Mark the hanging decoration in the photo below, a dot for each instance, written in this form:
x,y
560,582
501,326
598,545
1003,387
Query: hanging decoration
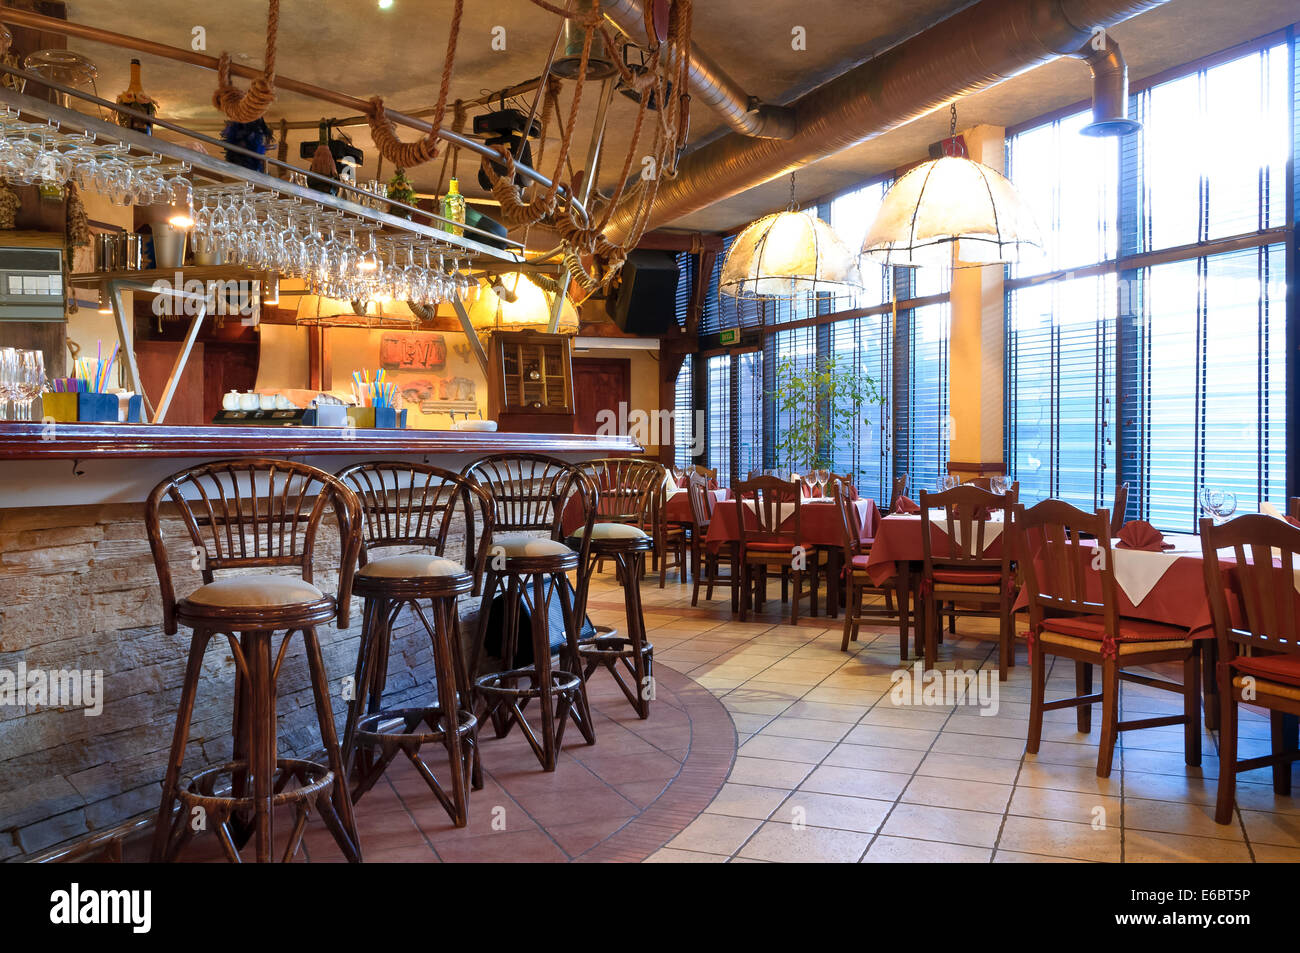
x,y
250,105
952,211
788,255
591,258
410,154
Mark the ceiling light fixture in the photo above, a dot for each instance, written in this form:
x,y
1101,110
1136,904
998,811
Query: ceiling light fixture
x,y
514,302
952,211
787,255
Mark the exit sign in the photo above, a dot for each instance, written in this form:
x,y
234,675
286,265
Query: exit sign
x,y
729,336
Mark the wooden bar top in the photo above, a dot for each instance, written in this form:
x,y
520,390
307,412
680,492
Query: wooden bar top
x,y
38,441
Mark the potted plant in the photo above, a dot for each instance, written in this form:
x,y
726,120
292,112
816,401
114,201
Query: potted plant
x,y
816,405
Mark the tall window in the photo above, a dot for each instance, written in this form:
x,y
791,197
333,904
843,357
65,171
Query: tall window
x,y
684,415
718,392
921,396
1149,346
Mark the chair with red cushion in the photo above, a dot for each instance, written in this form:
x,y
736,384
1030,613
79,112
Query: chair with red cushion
x,y
1074,614
963,580
1254,606
856,553
769,534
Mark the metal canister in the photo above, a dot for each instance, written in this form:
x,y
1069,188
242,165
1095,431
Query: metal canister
x,y
132,252
107,251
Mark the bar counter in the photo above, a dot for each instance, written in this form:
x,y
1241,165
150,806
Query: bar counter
x,y
78,592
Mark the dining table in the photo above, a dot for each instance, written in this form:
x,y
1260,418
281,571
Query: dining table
x,y
820,526
1167,586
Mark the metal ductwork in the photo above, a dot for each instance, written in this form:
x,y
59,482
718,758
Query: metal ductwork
x,y
709,82
976,48
1109,88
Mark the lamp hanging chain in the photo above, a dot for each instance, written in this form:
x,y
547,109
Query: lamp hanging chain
x,y
792,205
952,120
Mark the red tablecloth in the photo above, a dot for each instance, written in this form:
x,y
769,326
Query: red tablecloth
x,y
898,539
678,508
1178,598
819,523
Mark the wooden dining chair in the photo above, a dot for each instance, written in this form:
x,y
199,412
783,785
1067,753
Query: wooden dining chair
x,y
1293,508
964,581
768,520
1253,602
706,564
1117,511
858,583
1074,614
899,489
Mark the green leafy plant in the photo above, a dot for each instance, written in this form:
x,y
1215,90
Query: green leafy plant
x,y
815,405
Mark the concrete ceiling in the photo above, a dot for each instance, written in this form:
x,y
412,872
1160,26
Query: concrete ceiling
x,y
354,47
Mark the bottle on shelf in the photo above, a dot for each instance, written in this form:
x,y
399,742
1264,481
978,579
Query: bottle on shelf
x,y
453,208
134,97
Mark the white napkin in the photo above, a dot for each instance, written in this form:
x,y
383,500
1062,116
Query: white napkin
x,y
992,526
784,510
1137,571
1268,509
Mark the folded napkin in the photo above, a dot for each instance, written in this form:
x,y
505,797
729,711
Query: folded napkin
x,y
1139,534
904,505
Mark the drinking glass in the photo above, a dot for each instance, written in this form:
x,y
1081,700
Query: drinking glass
x,y
949,481
30,381
998,485
8,380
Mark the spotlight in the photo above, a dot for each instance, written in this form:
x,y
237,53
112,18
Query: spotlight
x,y
105,305
385,4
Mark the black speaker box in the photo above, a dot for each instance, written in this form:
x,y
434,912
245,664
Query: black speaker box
x,y
646,301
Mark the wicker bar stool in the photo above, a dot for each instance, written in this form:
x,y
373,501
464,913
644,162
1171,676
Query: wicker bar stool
x,y
628,492
254,514
530,493
404,505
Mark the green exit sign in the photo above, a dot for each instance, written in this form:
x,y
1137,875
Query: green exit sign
x,y
729,336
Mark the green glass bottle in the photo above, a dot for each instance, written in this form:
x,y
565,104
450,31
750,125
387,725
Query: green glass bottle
x,y
453,208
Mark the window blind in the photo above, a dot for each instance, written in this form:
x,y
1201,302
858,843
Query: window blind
x,y
684,415
718,391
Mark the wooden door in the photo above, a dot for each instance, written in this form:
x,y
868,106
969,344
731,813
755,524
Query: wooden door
x,y
600,384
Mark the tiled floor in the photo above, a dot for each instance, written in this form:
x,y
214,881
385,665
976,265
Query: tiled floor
x,y
830,769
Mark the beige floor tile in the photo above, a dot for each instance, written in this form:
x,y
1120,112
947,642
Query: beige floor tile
x,y
1015,857
903,850
965,795
823,711
989,725
766,773
746,800
1260,797
786,749
833,810
952,742
790,844
1059,752
1068,777
715,834
898,760
788,727
923,822
1179,817
1280,830
1076,806
884,736
1032,835
1272,854
1147,847
894,717
855,782
1169,787
969,768
669,855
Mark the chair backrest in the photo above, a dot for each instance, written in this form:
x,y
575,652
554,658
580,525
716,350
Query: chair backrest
x,y
967,512
850,521
628,490
767,510
900,488
530,491
697,488
710,475
1253,603
1058,547
1293,507
250,514
1117,511
415,504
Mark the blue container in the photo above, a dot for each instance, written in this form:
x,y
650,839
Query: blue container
x,y
97,408
135,410
386,418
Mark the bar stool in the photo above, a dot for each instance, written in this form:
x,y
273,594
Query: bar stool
x,y
627,494
404,505
530,494
254,514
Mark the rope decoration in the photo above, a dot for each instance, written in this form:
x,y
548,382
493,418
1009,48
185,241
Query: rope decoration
x,y
409,154
251,105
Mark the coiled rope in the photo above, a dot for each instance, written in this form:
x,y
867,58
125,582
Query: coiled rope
x,y
251,105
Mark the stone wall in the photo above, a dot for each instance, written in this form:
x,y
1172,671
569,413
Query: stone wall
x,y
78,590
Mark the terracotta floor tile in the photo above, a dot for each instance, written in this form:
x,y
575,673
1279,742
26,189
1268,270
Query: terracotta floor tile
x,y
505,847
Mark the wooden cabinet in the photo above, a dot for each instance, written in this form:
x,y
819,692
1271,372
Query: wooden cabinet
x,y
530,382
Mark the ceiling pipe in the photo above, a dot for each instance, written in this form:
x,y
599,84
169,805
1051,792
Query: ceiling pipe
x,y
1109,88
709,82
978,47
